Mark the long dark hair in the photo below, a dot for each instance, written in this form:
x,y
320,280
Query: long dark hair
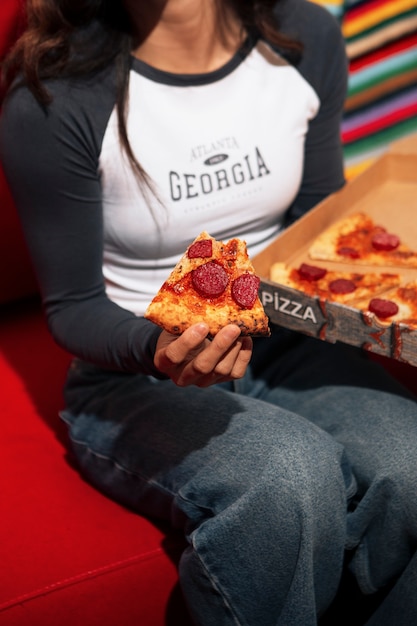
x,y
81,37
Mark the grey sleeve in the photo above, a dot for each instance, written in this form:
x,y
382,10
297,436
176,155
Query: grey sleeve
x,y
324,65
50,159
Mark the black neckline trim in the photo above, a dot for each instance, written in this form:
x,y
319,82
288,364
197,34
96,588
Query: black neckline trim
x,y
193,80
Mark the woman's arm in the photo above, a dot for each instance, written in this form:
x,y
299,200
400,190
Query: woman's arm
x,y
50,157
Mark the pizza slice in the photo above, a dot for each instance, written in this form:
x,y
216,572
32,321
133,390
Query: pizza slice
x,y
357,239
396,305
214,282
335,286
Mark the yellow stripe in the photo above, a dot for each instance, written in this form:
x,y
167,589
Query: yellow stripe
x,y
354,170
336,3
388,33
376,16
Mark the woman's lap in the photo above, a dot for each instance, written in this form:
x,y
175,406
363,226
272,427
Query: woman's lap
x,y
164,435
241,462
243,479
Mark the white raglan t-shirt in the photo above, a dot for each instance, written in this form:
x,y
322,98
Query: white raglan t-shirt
x,y
225,155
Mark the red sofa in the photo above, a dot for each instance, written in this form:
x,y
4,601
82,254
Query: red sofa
x,y
68,555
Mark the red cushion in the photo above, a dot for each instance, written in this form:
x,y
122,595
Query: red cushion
x,y
67,553
10,23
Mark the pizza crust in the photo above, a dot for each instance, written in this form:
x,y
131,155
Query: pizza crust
x,y
175,317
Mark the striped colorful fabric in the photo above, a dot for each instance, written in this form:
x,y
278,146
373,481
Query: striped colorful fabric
x,y
381,106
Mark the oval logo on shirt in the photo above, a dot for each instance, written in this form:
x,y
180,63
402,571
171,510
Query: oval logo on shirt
x,y
216,158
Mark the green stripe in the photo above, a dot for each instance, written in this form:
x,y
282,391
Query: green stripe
x,y
382,77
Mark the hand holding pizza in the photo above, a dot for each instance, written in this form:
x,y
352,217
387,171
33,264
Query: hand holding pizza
x,y
192,359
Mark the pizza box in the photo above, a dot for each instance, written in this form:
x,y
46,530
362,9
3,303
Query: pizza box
x,y
387,191
406,145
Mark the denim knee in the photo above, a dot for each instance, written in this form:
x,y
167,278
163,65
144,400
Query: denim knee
x,y
277,532
382,529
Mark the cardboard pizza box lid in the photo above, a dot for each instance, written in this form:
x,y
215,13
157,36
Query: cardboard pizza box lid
x,y
406,145
387,191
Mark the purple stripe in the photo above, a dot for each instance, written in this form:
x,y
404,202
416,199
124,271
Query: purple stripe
x,y
379,110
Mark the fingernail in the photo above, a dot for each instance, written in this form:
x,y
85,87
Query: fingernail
x,y
202,329
232,331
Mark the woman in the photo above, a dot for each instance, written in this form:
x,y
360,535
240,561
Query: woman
x,y
132,127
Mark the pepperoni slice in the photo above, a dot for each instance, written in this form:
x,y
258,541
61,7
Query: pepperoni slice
x,y
342,285
311,272
200,249
385,241
210,279
245,290
352,253
383,308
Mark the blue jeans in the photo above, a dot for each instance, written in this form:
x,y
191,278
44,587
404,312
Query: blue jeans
x,y
273,479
